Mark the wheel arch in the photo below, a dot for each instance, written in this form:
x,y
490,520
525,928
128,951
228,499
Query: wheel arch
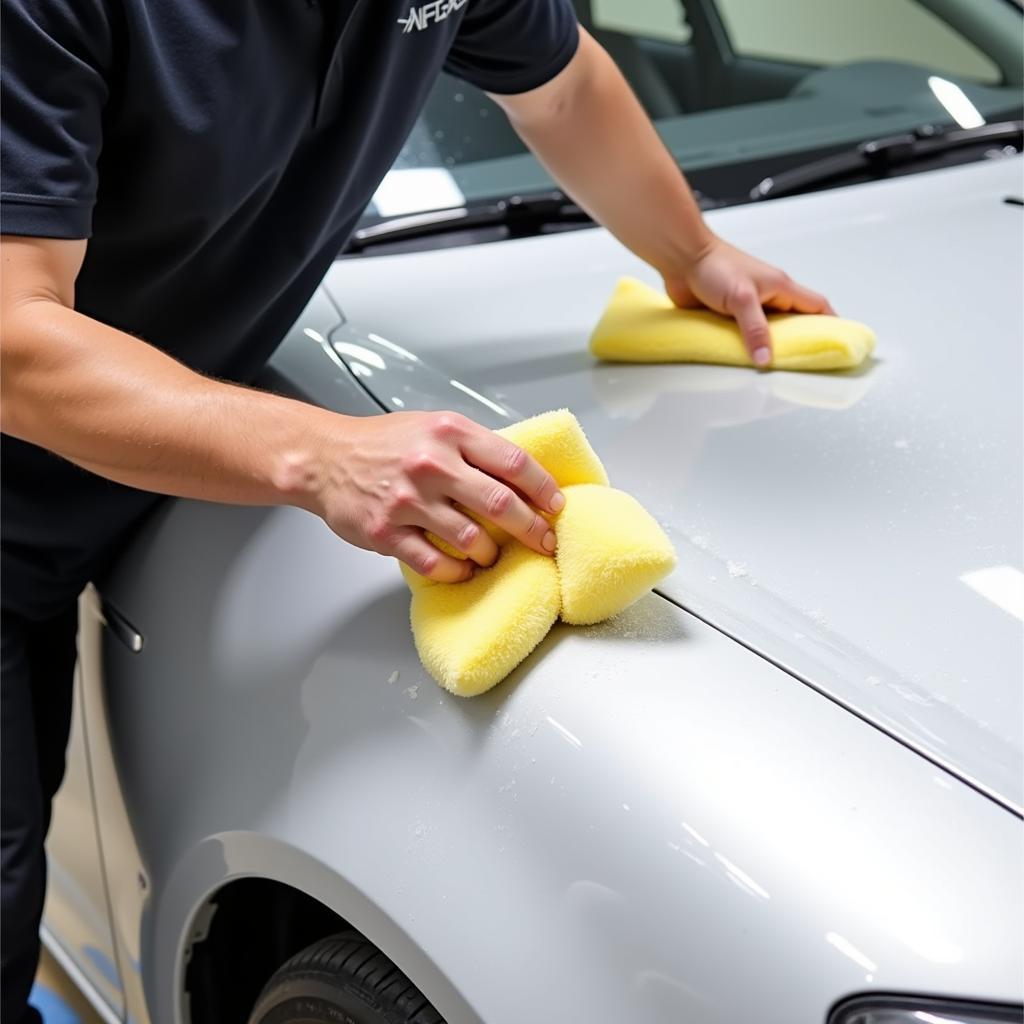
x,y
218,878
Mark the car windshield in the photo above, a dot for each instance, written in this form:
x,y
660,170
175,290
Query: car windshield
x,y
735,86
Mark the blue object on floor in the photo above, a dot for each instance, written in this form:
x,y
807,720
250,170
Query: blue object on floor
x,y
52,1007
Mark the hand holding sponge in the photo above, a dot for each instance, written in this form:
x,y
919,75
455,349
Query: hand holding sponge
x,y
610,552
643,325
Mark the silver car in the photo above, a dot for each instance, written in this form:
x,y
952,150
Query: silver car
x,y
785,788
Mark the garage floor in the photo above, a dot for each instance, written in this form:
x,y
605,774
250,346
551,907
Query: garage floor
x,y
57,998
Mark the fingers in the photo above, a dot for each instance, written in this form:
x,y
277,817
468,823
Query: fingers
x,y
444,470
730,281
461,532
792,296
744,305
500,504
409,544
807,301
505,462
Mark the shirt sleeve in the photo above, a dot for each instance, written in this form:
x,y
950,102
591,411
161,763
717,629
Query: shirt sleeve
x,y
55,56
512,46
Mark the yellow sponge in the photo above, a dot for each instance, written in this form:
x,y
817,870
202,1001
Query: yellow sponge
x,y
610,552
643,325
471,635
556,440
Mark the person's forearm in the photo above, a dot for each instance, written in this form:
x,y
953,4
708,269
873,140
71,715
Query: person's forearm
x,y
123,409
601,147
588,129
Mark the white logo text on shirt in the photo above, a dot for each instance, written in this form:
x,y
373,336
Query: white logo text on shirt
x,y
429,14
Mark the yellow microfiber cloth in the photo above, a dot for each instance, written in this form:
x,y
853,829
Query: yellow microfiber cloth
x,y
610,552
471,635
556,440
643,325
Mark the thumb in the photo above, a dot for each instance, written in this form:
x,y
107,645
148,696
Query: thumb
x,y
680,293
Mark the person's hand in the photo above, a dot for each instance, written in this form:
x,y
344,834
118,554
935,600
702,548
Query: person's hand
x,y
384,480
730,281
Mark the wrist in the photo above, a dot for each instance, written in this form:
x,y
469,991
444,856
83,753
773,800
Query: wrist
x,y
299,467
679,264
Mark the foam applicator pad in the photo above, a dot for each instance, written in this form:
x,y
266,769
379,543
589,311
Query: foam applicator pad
x,y
556,440
471,635
643,325
610,552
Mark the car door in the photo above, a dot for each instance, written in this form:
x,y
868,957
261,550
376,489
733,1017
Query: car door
x,y
77,920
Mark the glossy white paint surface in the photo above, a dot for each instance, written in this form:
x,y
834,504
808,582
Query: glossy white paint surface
x,y
827,520
647,821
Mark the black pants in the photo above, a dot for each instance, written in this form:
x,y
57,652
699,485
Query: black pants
x,y
35,717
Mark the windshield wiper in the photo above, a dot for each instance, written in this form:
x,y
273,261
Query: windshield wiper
x,y
521,215
879,156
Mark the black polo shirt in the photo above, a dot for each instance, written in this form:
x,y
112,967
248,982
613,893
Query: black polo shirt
x,y
216,153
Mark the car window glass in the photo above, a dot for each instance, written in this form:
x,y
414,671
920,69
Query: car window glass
x,y
784,77
823,32
648,19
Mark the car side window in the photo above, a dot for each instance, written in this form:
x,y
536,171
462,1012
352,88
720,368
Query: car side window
x,y
826,32
645,19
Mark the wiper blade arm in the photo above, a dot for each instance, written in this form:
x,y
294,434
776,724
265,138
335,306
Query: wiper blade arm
x,y
878,156
522,215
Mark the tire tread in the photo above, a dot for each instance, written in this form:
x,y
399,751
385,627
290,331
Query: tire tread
x,y
354,962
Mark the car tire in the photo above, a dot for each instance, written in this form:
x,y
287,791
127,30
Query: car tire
x,y
344,979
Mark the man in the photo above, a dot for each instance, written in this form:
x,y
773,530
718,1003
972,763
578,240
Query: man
x,y
177,177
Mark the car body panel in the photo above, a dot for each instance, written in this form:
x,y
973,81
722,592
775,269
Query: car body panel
x,y
831,522
303,367
77,912
628,779
639,809
672,816
648,820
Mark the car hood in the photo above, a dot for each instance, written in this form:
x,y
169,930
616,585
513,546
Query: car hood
x,y
861,530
